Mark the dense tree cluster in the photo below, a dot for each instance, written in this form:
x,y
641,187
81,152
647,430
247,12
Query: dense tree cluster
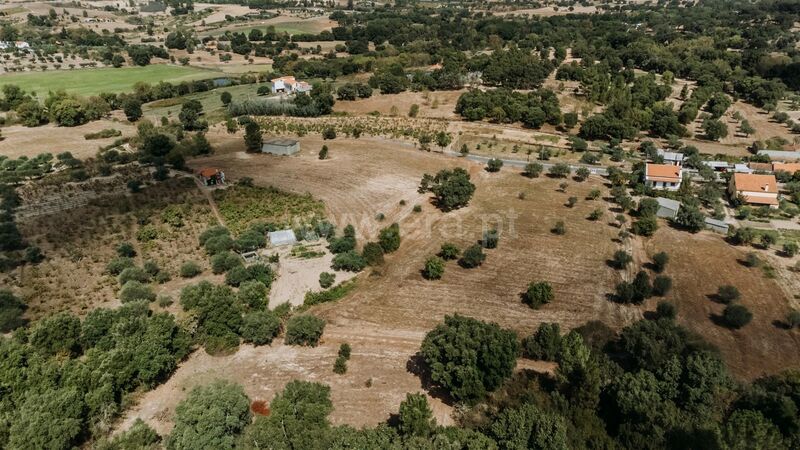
x,y
533,109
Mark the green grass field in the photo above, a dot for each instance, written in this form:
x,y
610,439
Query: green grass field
x,y
94,81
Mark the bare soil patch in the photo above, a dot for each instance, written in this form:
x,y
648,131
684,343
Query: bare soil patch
x,y
25,141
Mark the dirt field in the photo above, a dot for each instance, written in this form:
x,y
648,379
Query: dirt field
x,y
701,263
24,141
444,102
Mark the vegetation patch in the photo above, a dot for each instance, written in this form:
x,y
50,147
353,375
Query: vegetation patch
x,y
241,205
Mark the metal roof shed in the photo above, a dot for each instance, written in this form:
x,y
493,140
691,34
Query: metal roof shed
x,y
282,237
667,207
716,225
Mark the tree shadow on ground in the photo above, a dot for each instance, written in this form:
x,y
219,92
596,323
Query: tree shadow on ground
x,y
416,365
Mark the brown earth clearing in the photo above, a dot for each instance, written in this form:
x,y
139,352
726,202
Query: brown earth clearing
x,y
392,308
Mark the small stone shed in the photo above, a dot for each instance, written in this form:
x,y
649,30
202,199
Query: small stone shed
x,y
280,146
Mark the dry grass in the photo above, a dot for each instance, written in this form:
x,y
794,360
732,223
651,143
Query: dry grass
x,y
79,242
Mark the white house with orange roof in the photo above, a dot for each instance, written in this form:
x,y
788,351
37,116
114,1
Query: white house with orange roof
x,y
662,176
755,189
288,85
785,167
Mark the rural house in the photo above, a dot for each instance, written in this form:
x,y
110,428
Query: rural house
x,y
288,85
280,146
716,225
662,176
211,177
761,190
785,167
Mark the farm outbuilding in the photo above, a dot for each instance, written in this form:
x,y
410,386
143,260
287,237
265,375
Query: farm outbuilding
x,y
280,146
716,225
282,237
667,208
211,177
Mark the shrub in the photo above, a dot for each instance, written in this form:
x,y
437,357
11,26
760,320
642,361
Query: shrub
x,y
572,201
661,285
304,330
451,188
490,239
544,344
117,265
33,255
793,319
434,268
417,208
329,133
240,274
666,310
126,250
225,261
594,194
538,294
559,228
752,260
736,316
323,153
472,257
135,291
190,269
345,350
494,165
326,280
660,261
621,259
340,366
260,327
219,244
790,248
147,233
11,311
597,214
645,226
373,253
349,261
253,293
389,238
533,170
559,170
449,251
728,294
134,273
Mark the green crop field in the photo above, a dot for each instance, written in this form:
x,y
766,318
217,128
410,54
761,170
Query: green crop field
x,y
94,81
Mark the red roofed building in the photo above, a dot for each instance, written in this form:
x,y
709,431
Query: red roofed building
x,y
662,176
761,190
210,176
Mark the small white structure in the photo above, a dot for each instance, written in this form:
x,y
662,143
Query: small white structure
x,y
281,238
667,207
280,146
662,176
671,158
742,168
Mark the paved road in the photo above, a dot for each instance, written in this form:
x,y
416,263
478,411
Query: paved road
x,y
596,170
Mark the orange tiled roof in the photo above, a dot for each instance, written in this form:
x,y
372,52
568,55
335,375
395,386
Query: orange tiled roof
x,y
785,167
755,183
663,172
208,172
760,200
